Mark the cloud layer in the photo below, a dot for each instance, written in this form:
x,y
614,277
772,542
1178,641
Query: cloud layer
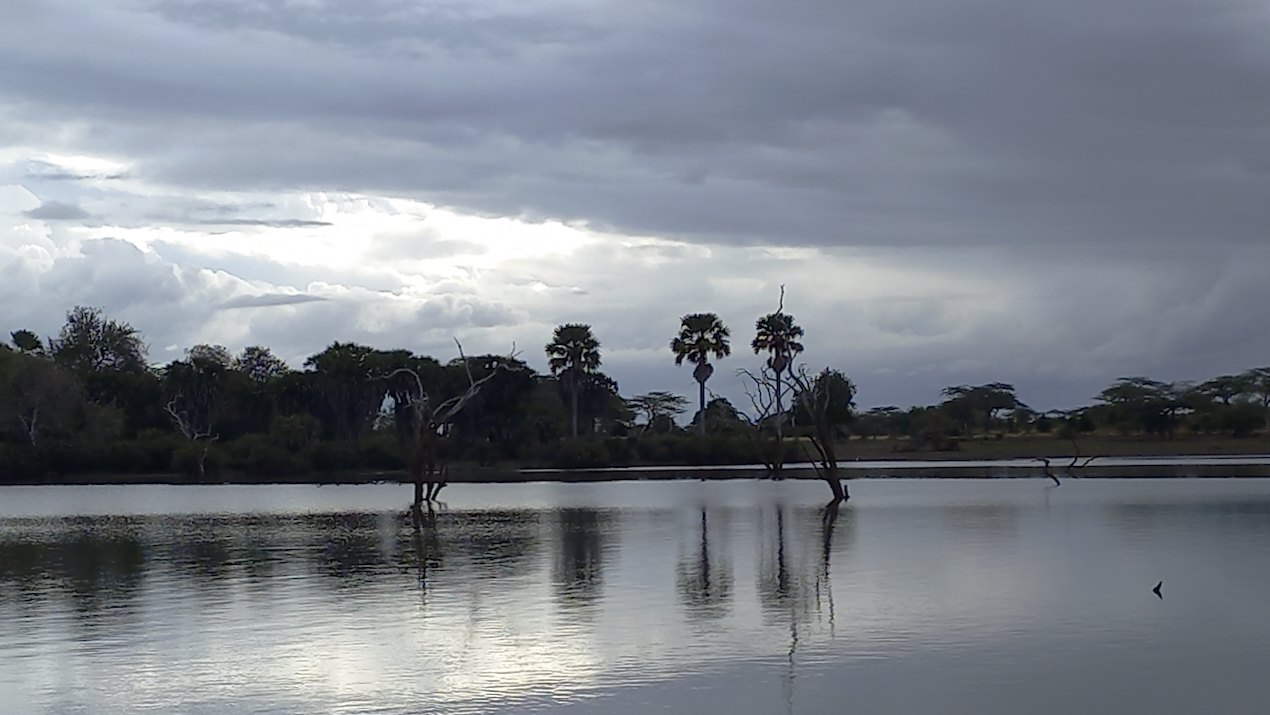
x,y
1054,196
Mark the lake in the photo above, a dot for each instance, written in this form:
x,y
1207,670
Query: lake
x,y
918,595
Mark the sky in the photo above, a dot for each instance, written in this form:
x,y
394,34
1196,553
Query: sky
x,y
1052,195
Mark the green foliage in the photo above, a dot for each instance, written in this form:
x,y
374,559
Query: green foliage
x,y
90,342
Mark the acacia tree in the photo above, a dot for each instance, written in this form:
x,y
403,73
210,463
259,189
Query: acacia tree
x,y
1154,405
658,407
1257,384
701,336
574,356
964,401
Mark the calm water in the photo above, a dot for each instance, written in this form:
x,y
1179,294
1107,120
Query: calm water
x,y
682,597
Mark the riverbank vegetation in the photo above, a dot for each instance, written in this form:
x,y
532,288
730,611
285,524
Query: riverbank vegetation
x,y
87,401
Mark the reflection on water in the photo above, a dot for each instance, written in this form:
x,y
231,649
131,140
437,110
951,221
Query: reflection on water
x,y
703,575
916,596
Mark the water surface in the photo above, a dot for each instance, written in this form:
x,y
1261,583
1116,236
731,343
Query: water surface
x,y
945,596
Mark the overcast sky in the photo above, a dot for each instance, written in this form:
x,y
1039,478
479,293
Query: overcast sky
x,y
1049,194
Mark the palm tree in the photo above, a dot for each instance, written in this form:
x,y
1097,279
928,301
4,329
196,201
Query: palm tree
x,y
573,354
701,335
777,334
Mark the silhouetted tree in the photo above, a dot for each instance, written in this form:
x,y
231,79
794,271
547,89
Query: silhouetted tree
x,y
90,342
574,356
659,408
822,404
701,336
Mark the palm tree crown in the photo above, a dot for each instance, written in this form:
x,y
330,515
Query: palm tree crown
x,y
572,354
701,335
573,347
777,334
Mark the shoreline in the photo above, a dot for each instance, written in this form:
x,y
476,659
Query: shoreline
x,y
1118,467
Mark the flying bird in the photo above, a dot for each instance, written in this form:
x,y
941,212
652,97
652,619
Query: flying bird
x,y
1156,590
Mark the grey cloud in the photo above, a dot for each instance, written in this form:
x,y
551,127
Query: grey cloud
x,y
268,300
57,211
44,171
1099,170
911,123
270,223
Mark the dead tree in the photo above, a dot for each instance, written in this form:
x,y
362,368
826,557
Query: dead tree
x,y
824,402
766,432
1071,470
430,420
188,427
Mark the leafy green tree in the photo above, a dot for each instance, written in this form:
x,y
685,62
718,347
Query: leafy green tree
x,y
574,356
701,336
496,419
90,342
195,389
722,416
347,388
260,364
35,394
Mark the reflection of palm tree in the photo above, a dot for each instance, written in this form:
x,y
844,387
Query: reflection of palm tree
x,y
579,569
573,353
706,585
701,335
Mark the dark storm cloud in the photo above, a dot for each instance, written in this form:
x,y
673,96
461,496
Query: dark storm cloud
x,y
1092,176
805,122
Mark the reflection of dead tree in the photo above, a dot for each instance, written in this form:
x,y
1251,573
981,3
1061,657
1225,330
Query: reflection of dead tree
x,y
827,522
1071,469
424,541
430,421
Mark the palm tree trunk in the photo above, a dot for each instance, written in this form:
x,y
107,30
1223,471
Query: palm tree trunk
x,y
573,393
701,427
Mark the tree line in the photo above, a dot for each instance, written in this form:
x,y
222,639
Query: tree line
x,y
88,400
